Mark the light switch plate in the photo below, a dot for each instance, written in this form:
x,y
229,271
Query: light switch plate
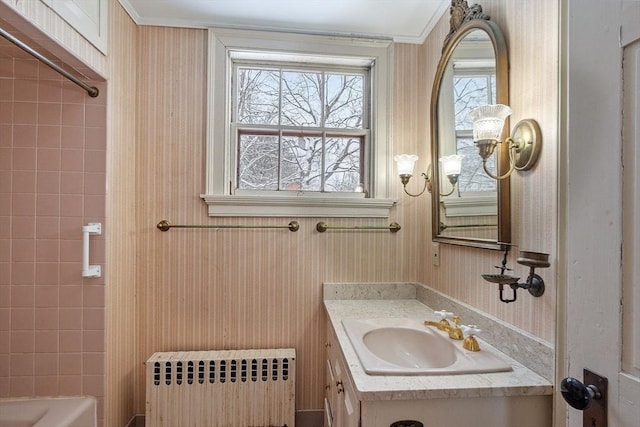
x,y
435,254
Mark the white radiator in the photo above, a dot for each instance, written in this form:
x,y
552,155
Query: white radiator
x,y
226,388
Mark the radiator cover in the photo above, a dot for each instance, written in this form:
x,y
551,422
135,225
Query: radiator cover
x,y
221,388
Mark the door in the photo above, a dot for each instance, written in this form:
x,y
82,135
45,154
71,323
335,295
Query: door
x,y
598,287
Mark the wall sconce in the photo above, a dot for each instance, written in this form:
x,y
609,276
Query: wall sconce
x,y
451,166
406,163
524,143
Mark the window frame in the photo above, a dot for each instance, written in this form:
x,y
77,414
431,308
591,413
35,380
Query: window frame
x,y
220,196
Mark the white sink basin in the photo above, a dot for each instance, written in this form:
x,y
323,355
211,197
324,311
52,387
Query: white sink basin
x,y
408,347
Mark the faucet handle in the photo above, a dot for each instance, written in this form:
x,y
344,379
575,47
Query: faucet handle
x,y
443,314
470,330
470,343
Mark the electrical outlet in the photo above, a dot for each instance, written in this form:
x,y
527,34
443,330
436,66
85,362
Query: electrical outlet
x,y
435,254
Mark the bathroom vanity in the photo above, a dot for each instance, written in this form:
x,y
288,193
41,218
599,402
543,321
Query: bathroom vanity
x,y
514,397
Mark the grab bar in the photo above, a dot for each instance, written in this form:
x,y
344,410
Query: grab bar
x,y
165,225
394,227
94,228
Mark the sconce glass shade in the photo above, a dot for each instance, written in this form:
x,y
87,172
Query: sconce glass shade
x,y
451,165
488,121
405,162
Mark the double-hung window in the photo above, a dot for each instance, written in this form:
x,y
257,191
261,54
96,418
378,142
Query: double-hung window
x,y
298,125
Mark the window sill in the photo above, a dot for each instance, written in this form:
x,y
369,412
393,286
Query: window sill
x,y
296,206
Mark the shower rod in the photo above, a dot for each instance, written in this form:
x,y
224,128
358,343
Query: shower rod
x,y
91,90
394,227
164,225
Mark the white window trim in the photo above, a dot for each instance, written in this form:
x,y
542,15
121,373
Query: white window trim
x,y
219,176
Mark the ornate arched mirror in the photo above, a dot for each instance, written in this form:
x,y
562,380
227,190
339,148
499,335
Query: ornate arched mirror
x,y
471,208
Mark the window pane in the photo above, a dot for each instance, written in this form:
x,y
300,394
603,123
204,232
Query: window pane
x,y
344,101
258,96
301,99
342,172
468,93
258,162
301,163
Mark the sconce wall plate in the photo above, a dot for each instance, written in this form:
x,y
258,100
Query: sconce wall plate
x,y
526,134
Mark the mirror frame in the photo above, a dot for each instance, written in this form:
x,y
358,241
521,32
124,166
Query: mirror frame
x,y
454,38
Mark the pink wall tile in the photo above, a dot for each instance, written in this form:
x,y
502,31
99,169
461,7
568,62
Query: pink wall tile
x,y
22,273
22,341
72,94
95,161
22,296
71,295
49,136
71,205
48,205
46,364
25,113
95,138
70,273
46,385
48,182
47,227
25,90
94,184
73,115
93,363
6,112
24,159
70,385
72,182
50,91
6,181
94,207
48,159
93,296
93,341
70,341
26,68
71,250
23,250
23,204
47,273
46,296
6,89
93,385
72,160
6,135
47,322
25,135
22,319
5,320
70,363
49,113
47,342
22,386
73,137
95,115
24,182
23,227
6,159
92,318
71,228
21,364
47,250
70,319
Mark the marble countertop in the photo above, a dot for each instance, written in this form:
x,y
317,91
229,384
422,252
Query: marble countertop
x,y
519,382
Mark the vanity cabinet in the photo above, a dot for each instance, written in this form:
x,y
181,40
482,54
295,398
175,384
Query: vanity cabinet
x,y
341,407
347,406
